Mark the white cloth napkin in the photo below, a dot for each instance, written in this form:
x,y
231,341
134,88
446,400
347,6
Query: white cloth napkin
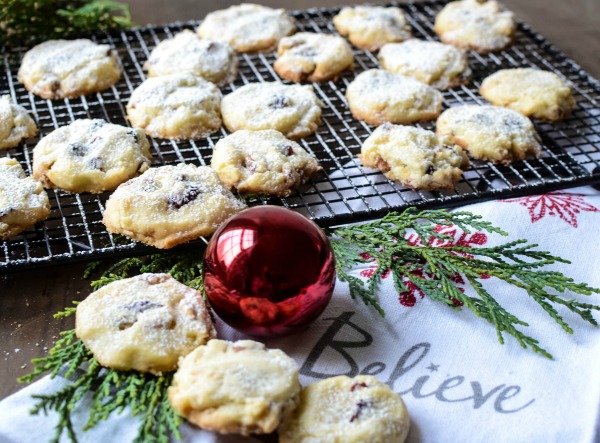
x,y
458,383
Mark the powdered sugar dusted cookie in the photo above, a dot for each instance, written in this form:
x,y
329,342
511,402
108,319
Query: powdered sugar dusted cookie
x,y
436,64
186,53
371,27
532,92
308,56
350,410
23,201
247,27
69,68
90,156
170,205
262,162
474,24
239,387
177,106
490,133
415,157
293,110
377,96
15,124
144,323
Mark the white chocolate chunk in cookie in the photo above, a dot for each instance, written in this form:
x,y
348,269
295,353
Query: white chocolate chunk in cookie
x,y
69,68
170,205
143,323
490,133
347,410
262,162
23,201
415,157
239,387
247,27
15,124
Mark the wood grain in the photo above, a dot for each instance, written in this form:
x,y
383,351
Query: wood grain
x,y
28,300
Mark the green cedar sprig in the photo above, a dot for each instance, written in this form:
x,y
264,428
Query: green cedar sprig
x,y
111,391
24,21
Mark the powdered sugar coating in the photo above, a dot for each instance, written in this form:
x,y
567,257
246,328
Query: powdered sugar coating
x,y
415,157
371,27
69,68
490,133
262,162
186,53
170,205
349,410
144,323
240,387
308,56
436,64
247,27
177,106
293,110
23,201
15,124
377,96
532,92
474,24
90,156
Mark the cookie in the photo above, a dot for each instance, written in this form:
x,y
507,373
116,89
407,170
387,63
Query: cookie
x,y
247,27
90,156
15,124
144,323
23,201
371,27
415,157
186,53
471,24
308,56
349,410
69,68
170,205
241,387
178,107
377,96
532,92
490,133
262,162
436,64
293,110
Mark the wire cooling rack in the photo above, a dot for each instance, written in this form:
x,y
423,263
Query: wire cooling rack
x,y
344,191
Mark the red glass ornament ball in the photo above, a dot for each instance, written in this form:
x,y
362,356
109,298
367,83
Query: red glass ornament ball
x,y
269,271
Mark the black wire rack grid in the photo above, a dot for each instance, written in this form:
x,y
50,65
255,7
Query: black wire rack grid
x,y
345,191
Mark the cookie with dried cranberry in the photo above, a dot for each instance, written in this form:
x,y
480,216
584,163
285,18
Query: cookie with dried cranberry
x,y
23,201
247,27
177,106
170,205
349,410
262,162
15,124
144,323
371,27
490,133
415,157
235,388
69,68
293,110
187,53
90,156
312,57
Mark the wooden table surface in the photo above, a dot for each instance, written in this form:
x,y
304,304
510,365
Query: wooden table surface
x,y
28,299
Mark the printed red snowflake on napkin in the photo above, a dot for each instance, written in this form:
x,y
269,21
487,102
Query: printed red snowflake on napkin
x,y
456,237
555,204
